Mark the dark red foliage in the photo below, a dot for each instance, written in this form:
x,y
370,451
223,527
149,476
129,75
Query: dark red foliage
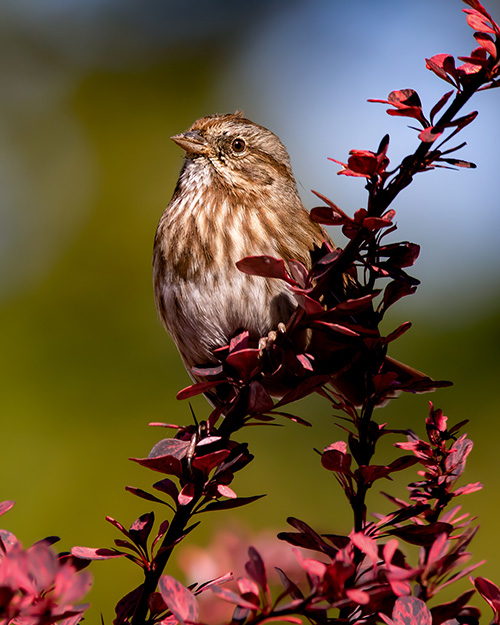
x,y
367,164
490,593
407,104
332,345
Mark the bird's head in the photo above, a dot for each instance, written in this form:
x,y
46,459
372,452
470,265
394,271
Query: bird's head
x,y
238,153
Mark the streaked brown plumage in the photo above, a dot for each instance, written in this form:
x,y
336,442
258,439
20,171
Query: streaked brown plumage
x,y
236,196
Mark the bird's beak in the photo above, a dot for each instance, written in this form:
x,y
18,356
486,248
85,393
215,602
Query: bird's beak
x,y
192,142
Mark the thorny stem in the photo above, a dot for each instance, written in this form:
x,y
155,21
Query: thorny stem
x,y
365,454
152,576
381,198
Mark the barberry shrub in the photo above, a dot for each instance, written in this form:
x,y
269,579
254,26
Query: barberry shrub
x,y
366,575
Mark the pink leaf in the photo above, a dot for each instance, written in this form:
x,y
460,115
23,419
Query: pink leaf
x,y
431,134
225,491
232,597
186,495
468,489
367,545
180,601
248,586
358,596
5,506
478,22
87,553
411,611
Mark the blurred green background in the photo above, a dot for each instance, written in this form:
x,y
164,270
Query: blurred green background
x,y
91,92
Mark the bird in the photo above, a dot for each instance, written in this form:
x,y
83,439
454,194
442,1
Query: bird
x,y
236,196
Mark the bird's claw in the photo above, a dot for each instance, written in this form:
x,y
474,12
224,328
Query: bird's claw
x,y
266,342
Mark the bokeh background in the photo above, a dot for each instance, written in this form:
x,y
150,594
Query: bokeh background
x,y
91,92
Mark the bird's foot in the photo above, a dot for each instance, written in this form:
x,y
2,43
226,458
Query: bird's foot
x,y
266,342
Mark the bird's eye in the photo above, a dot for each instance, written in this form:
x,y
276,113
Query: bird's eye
x,y
238,145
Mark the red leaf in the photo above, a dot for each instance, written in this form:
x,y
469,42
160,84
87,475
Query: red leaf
x,y
328,216
255,568
335,211
373,472
478,22
166,464
336,327
310,305
445,611
405,97
437,107
487,43
169,447
265,266
404,327
423,535
375,223
186,495
363,163
304,388
358,304
443,65
230,504
197,389
206,371
161,531
141,528
395,290
180,601
209,461
402,463
431,134
299,272
259,400
461,122
245,361
143,494
367,545
458,163
490,593
335,458
167,486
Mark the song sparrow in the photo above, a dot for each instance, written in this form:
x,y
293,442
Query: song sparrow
x,y
236,196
